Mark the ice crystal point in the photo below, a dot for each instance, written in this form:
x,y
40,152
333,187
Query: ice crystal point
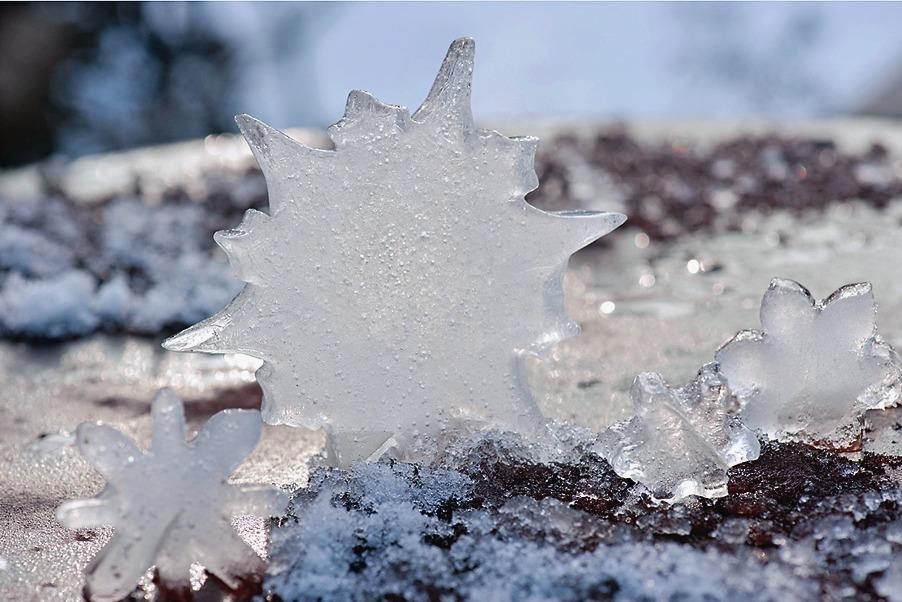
x,y
172,505
816,366
269,145
680,442
569,231
279,156
239,246
449,97
209,336
397,280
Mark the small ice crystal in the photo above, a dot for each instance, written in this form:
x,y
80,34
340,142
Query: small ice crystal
x,y
814,368
397,281
172,505
680,442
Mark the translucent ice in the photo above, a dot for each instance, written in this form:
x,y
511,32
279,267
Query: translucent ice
x,y
397,281
815,366
680,441
172,505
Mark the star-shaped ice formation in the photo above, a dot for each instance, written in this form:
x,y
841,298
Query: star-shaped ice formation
x,y
397,281
172,505
680,442
815,366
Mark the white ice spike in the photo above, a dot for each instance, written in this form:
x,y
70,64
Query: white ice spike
x,y
397,281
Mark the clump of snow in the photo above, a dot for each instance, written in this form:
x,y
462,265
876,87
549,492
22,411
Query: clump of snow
x,y
171,505
681,441
57,306
488,522
127,266
815,367
31,253
889,584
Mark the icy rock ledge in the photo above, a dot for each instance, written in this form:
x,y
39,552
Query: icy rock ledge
x,y
681,441
172,505
814,368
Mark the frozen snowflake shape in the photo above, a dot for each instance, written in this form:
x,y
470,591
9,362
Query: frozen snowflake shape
x,y
814,368
680,442
172,505
397,281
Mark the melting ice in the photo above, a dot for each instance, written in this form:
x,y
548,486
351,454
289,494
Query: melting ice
x,y
681,441
396,282
815,367
172,505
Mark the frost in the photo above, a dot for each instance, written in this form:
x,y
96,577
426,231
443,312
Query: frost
x,y
814,368
398,280
680,442
172,505
393,531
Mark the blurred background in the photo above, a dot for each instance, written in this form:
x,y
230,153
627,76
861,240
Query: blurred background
x,y
82,78
743,141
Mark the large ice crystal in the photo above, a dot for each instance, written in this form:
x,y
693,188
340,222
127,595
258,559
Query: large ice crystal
x,y
172,505
397,280
681,441
815,367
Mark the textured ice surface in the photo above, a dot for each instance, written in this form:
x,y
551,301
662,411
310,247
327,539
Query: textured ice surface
x,y
681,441
815,367
398,280
172,505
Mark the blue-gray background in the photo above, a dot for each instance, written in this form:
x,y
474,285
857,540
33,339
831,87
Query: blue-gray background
x,y
86,77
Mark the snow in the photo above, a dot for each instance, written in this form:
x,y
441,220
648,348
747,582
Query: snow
x,y
395,287
816,366
890,583
396,530
681,441
31,253
172,505
57,306
149,268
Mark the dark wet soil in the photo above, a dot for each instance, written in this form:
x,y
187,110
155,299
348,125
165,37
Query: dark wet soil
x,y
671,189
